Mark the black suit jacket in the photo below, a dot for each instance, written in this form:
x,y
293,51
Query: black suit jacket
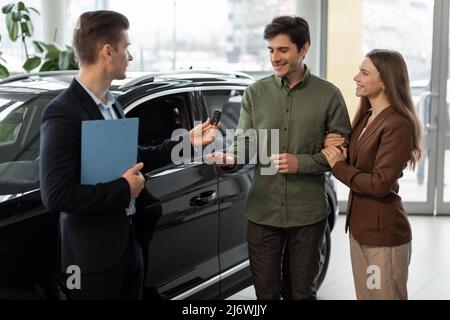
x,y
93,223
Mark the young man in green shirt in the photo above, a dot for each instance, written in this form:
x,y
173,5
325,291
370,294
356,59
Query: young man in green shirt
x,y
288,208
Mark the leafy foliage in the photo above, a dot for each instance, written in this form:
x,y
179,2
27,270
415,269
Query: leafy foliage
x,y
47,56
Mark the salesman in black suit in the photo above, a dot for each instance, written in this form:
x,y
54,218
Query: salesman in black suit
x,y
96,221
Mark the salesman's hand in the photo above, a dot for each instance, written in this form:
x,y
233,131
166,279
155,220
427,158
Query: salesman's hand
x,y
203,133
135,179
333,140
285,162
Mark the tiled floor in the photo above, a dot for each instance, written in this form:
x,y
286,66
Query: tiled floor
x,y
429,277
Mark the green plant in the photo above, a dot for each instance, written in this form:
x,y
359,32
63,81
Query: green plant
x,y
47,56
3,70
53,58
19,25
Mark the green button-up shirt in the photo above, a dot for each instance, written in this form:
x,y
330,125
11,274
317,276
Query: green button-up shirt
x,y
303,115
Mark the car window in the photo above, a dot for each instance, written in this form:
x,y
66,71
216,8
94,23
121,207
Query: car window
x,y
160,117
19,144
229,101
11,119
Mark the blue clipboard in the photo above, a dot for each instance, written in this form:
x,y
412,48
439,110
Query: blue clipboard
x,y
108,149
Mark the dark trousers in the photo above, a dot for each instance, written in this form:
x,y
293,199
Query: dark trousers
x,y
123,281
266,245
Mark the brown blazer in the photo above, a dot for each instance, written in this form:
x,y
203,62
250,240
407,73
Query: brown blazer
x,y
375,213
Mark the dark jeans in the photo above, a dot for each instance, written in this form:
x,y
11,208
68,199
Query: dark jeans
x,y
266,245
123,281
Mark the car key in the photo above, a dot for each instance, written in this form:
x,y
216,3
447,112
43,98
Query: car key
x,y
215,118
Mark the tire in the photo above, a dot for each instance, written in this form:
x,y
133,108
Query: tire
x,y
325,252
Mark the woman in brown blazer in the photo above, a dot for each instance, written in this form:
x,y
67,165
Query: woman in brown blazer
x,y
386,137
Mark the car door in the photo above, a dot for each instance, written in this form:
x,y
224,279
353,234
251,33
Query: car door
x,y
182,208
28,232
233,190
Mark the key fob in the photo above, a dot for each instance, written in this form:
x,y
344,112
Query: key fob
x,y
215,118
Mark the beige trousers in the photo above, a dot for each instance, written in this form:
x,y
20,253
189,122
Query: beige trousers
x,y
380,273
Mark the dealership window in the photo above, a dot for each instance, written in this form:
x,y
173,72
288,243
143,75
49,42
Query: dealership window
x,y
219,34
73,9
357,26
177,34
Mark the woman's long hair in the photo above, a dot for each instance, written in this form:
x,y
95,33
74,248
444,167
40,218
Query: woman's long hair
x,y
394,74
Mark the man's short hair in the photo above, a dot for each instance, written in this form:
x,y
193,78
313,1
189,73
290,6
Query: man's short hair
x,y
295,27
95,29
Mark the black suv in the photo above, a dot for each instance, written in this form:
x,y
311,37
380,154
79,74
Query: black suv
x,y
198,246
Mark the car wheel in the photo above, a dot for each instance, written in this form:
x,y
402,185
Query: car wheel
x,y
325,251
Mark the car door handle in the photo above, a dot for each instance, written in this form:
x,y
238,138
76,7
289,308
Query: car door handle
x,y
203,199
